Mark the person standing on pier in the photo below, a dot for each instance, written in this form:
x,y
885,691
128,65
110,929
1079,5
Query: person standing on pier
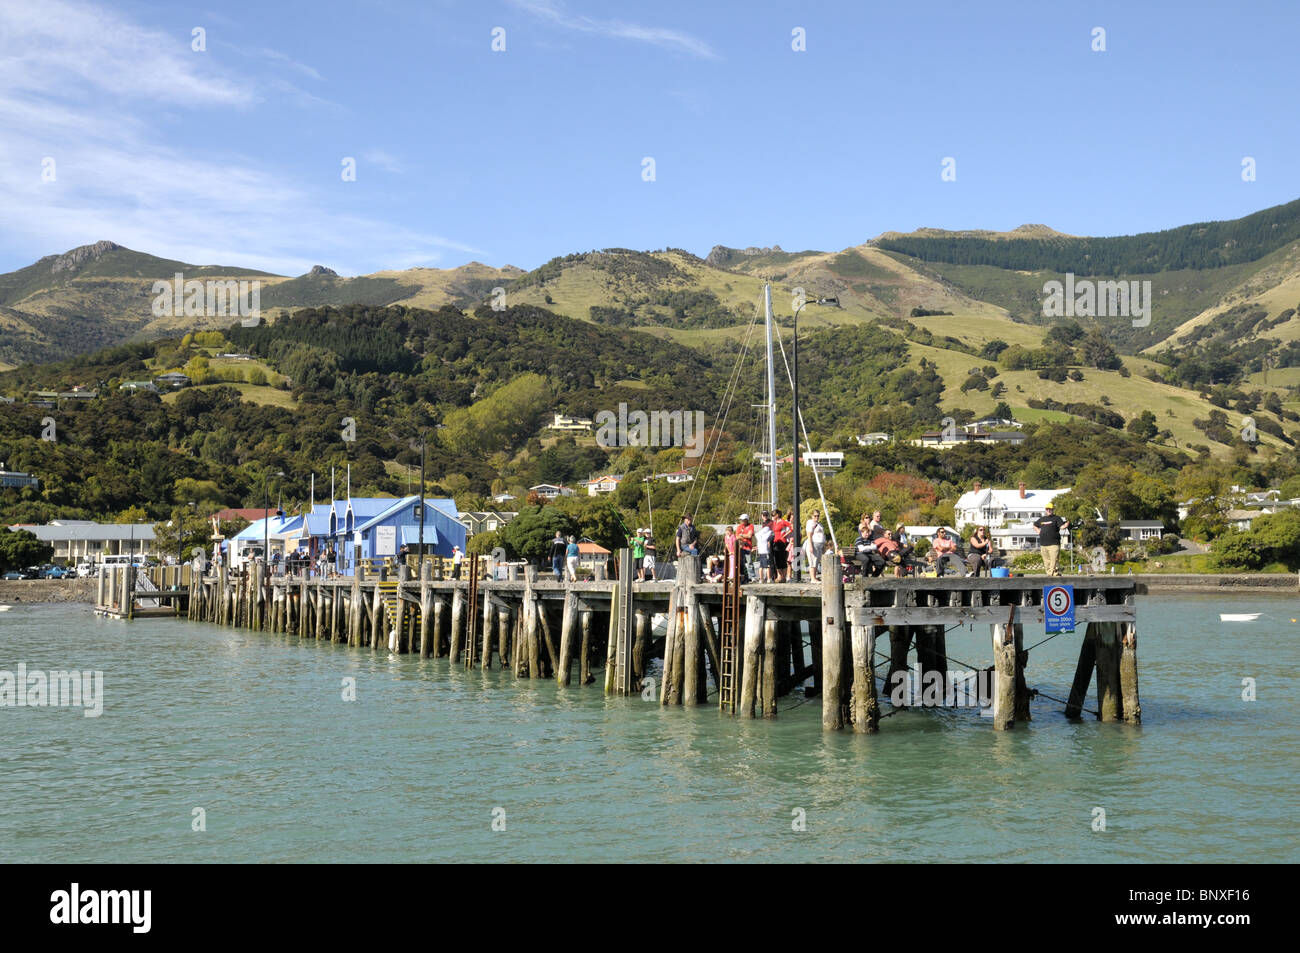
x,y
456,559
815,545
1049,528
648,565
745,542
781,530
763,548
729,547
636,543
571,552
558,551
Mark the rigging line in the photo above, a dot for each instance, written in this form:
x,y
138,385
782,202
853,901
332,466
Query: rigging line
x,y
724,411
803,428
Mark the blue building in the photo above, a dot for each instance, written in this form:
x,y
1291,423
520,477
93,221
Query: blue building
x,y
398,525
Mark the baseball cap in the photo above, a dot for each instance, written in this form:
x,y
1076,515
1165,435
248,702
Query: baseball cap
x,y
744,516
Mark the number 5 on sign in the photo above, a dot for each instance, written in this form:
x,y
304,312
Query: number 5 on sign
x,y
1058,608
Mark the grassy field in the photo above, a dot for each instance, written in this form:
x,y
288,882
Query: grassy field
x,y
252,393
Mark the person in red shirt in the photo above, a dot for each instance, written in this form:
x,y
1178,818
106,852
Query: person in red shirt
x,y
745,540
781,530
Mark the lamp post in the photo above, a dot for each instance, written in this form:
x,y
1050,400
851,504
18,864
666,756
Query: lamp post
x,y
424,439
796,519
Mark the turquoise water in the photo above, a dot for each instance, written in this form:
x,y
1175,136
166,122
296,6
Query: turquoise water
x,y
253,729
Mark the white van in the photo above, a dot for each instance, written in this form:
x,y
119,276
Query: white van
x,y
124,559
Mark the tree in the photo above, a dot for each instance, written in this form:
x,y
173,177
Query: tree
x,y
528,536
20,549
1143,426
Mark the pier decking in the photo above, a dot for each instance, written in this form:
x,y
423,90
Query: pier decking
x,y
745,645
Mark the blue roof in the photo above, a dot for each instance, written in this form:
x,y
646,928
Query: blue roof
x,y
396,506
259,529
317,522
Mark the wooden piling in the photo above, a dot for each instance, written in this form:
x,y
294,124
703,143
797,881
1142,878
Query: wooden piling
x,y
1128,674
770,636
833,636
866,707
1004,669
1108,691
584,665
457,624
751,670
567,623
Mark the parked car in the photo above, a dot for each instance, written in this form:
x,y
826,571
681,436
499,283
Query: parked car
x,y
12,574
30,573
85,570
56,572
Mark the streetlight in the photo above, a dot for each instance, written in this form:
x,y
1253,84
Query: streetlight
x,y
794,387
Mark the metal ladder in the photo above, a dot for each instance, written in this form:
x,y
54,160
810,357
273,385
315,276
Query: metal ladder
x,y
730,630
471,607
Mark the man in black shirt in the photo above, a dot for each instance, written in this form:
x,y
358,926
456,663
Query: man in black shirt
x,y
1049,539
558,547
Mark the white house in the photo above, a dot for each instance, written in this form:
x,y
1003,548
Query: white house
x,y
1141,530
872,439
549,491
86,541
676,476
603,484
985,506
824,460
563,422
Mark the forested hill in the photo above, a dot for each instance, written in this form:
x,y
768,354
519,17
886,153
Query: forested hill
x,y
1200,246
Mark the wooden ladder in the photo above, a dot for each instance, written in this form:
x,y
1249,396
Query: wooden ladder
x,y
471,607
622,619
730,631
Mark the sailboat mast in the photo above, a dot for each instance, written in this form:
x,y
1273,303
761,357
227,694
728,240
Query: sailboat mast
x,y
771,394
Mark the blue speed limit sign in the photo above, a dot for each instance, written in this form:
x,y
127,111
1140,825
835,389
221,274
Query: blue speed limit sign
x,y
1058,608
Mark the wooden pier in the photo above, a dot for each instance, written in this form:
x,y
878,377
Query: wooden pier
x,y
739,648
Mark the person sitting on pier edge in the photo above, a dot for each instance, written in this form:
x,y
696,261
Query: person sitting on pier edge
x,y
714,569
981,551
781,530
558,548
906,551
944,548
763,547
1049,528
688,537
864,551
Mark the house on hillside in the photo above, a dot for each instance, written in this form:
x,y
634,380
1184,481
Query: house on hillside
x,y
174,380
17,479
571,424
591,555
550,491
135,386
484,521
674,476
872,439
823,460
603,484
985,506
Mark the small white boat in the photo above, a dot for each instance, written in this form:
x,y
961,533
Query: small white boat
x,y
1239,616
5,608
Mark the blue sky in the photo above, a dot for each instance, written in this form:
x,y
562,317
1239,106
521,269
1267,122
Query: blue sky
x,y
233,155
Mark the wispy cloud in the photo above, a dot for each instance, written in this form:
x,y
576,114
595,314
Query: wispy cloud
x,y
675,40
99,93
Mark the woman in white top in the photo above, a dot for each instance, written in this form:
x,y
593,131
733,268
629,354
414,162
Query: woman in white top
x,y
815,545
